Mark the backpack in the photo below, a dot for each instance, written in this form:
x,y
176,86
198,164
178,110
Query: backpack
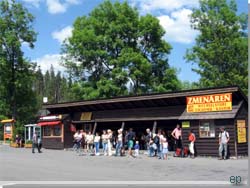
x,y
157,140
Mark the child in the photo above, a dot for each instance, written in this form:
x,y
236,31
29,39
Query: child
x,y
137,147
165,148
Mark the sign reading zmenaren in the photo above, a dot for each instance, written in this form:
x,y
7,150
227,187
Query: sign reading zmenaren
x,y
209,103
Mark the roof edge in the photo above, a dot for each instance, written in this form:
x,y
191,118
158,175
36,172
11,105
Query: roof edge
x,y
182,93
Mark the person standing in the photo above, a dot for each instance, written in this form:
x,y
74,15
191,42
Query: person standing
x,y
97,143
126,140
164,148
223,143
77,141
35,143
105,142
83,135
89,141
131,137
18,141
39,143
149,136
191,139
109,137
177,134
119,143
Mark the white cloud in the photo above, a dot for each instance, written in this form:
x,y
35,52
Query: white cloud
x,y
173,16
57,6
177,26
146,6
47,60
62,34
54,6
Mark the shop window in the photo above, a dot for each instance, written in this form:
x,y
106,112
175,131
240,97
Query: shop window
x,y
57,130
47,131
207,129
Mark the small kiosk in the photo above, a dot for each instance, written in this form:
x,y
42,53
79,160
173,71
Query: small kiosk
x,y
8,125
30,129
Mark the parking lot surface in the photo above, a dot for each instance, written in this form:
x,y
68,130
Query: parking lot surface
x,y
19,164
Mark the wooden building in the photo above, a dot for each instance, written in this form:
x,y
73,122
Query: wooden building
x,y
202,110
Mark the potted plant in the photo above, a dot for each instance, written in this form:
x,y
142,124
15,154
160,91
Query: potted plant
x,y
13,144
28,144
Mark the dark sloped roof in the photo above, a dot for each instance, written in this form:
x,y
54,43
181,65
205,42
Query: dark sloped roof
x,y
140,101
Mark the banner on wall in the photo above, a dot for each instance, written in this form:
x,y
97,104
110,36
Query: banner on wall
x,y
185,124
209,103
86,116
241,131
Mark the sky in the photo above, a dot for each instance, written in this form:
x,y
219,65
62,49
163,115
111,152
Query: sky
x,y
54,20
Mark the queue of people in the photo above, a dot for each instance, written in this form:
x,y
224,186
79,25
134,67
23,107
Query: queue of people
x,y
157,145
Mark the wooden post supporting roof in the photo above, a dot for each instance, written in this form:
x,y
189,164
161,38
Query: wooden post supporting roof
x,y
123,124
95,125
154,127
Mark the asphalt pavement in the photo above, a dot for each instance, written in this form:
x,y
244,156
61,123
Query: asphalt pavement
x,y
19,164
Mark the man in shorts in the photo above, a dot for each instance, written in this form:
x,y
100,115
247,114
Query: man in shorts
x,y
131,138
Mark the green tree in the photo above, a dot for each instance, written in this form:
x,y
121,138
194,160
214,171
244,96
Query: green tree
x,y
52,85
15,29
221,47
114,47
17,98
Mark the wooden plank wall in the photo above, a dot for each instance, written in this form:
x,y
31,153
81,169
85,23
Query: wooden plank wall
x,y
210,146
53,143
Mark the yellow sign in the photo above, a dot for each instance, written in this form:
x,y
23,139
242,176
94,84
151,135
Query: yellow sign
x,y
185,124
86,116
8,121
241,131
209,103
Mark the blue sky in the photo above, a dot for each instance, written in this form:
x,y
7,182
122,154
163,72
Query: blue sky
x,y
54,20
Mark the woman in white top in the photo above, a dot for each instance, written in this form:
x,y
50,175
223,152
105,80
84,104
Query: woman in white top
x,y
109,137
105,142
97,143
118,143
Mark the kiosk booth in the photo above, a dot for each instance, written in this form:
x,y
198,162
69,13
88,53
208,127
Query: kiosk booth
x,y
29,131
8,125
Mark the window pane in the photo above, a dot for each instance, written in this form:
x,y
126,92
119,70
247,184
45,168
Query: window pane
x,y
207,129
57,130
47,131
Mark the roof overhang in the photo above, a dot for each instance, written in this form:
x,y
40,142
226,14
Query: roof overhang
x,y
142,101
48,123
